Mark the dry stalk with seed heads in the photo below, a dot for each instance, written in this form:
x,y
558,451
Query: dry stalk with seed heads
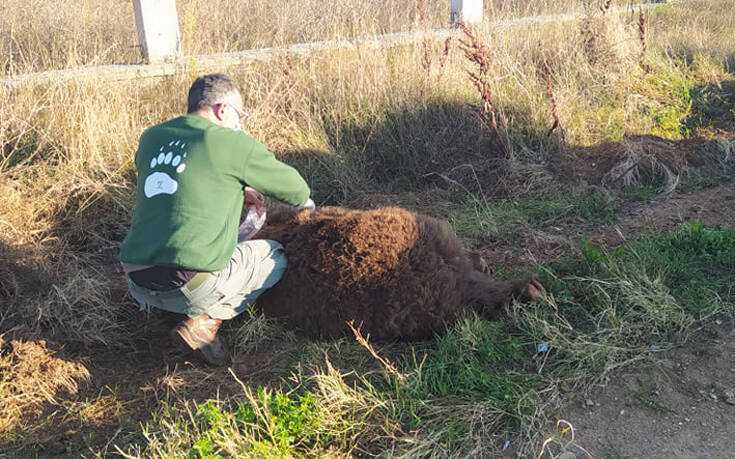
x,y
421,13
286,64
289,80
552,98
642,38
427,49
477,53
606,6
596,34
426,54
444,56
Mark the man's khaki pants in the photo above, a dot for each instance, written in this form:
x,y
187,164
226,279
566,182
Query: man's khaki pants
x,y
255,267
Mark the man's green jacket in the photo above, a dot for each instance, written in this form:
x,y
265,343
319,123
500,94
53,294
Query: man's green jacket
x,y
191,174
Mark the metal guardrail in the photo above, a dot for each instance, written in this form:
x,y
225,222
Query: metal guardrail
x,y
120,72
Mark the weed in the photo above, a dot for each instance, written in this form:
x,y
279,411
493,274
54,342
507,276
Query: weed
x,y
480,55
426,46
670,90
476,360
598,206
444,56
642,39
642,193
650,397
599,34
552,99
713,108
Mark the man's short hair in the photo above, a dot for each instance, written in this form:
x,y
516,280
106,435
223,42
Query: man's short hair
x,y
208,90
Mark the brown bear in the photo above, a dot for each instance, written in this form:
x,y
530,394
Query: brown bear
x,y
398,274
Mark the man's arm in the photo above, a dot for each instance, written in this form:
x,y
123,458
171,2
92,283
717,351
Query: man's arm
x,y
271,177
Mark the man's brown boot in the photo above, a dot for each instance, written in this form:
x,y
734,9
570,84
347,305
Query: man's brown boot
x,y
200,334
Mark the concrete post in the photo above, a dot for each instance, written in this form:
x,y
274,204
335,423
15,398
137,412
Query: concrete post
x,y
467,11
158,29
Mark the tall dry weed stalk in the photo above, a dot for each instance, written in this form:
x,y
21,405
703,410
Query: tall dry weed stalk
x,y
444,56
606,7
552,99
427,48
480,55
425,42
642,37
288,82
597,38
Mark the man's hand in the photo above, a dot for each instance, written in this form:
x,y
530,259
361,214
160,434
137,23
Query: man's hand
x,y
309,205
254,198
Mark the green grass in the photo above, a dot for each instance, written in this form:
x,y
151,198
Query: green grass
x,y
695,262
669,90
479,220
278,424
606,309
713,107
475,361
642,193
609,307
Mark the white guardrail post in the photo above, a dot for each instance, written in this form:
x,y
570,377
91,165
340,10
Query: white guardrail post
x,y
158,29
467,11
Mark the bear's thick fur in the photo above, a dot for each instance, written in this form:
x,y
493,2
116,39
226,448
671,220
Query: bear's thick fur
x,y
398,273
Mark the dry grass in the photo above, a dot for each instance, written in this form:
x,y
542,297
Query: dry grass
x,y
362,125
257,331
38,35
31,377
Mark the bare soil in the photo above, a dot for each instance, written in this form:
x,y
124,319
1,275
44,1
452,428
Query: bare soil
x,y
679,407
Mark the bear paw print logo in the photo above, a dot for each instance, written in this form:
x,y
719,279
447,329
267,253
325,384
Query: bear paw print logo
x,y
159,182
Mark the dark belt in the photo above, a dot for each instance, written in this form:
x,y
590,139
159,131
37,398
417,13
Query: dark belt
x,y
193,283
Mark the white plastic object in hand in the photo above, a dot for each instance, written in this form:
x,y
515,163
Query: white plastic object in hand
x,y
309,205
252,224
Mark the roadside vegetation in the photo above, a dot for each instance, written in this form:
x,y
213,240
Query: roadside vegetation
x,y
469,390
498,130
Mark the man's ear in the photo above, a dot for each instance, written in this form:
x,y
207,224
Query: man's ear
x,y
219,111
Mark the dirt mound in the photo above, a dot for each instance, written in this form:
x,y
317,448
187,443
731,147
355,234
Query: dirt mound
x,y
33,377
644,160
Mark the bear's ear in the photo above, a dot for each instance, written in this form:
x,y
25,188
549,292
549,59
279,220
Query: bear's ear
x,y
479,263
536,290
529,289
